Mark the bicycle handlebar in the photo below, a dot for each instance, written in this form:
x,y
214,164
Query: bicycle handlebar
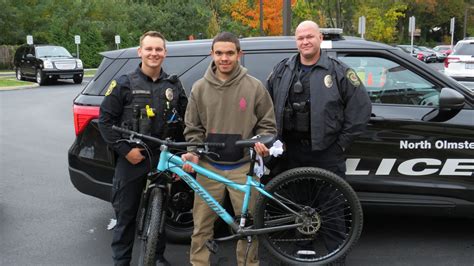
x,y
167,142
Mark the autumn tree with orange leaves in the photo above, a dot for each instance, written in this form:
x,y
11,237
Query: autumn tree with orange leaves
x,y
248,13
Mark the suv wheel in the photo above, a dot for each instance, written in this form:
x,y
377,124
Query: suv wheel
x,y
40,78
77,79
19,76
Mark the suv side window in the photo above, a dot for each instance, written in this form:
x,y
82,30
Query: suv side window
x,y
31,50
114,68
20,53
195,73
261,65
105,73
388,82
189,69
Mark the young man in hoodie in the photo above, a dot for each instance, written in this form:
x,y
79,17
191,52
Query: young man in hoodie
x,y
226,105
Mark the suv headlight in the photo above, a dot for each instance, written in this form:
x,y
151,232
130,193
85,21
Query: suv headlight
x,y
47,64
78,63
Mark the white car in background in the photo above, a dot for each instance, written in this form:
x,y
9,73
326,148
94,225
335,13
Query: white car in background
x,y
460,63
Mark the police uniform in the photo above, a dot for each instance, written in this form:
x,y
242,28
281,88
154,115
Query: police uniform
x,y
319,110
150,107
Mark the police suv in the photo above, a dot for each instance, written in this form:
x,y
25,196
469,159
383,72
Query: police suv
x,y
417,155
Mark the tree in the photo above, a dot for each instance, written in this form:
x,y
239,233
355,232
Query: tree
x,y
433,17
381,19
249,15
213,28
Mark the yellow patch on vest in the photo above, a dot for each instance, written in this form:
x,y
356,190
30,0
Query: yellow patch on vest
x,y
112,85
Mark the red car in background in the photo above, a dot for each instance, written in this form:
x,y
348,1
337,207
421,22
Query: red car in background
x,y
446,49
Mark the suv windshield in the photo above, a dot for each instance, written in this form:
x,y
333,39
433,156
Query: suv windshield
x,y
52,51
464,48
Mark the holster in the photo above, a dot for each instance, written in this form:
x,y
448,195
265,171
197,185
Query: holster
x,y
302,121
288,119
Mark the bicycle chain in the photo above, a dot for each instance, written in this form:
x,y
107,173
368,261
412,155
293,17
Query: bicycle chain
x,y
292,240
289,240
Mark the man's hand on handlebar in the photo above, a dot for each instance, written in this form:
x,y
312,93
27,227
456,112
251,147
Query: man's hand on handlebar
x,y
134,156
191,157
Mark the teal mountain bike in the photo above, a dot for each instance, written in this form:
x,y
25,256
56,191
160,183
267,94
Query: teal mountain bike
x,y
303,216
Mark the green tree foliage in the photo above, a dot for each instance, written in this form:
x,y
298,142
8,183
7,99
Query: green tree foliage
x,y
213,27
433,18
327,13
381,19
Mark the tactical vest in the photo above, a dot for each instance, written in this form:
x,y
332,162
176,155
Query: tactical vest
x,y
153,107
296,116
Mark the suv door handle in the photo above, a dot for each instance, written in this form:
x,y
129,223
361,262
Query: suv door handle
x,y
375,119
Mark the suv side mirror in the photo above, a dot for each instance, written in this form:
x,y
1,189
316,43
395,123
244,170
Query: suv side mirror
x,y
73,54
450,99
450,103
30,56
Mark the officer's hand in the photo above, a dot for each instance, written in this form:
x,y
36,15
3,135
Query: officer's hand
x,y
135,156
261,149
189,157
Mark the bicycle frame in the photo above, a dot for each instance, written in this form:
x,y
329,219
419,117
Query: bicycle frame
x,y
171,162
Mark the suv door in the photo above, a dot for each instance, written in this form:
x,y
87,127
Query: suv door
x,y
407,150
22,60
29,65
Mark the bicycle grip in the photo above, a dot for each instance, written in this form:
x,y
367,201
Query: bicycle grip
x,y
123,130
215,144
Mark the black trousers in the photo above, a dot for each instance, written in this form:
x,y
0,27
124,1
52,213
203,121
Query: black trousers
x,y
126,193
299,154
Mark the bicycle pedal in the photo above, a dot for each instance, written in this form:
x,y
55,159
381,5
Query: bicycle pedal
x,y
212,246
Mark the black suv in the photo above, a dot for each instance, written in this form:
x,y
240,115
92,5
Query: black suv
x,y
43,62
417,155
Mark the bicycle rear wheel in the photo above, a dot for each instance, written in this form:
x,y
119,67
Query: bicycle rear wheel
x,y
330,214
151,229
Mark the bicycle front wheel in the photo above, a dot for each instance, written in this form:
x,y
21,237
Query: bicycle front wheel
x,y
151,229
329,214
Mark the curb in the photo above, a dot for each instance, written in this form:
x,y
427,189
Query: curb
x,y
32,86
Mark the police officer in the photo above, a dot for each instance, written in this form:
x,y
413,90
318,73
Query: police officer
x,y
320,106
149,101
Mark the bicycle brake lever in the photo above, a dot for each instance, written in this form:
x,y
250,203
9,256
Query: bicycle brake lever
x,y
134,140
206,151
213,153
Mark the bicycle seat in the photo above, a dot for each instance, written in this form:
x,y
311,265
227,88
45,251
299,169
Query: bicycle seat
x,y
265,139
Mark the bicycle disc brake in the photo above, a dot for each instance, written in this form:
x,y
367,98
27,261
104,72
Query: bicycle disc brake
x,y
311,221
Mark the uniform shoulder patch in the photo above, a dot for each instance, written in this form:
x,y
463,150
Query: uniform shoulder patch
x,y
352,77
112,85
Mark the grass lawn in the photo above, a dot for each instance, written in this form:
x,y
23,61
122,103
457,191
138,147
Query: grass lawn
x,y
11,81
89,73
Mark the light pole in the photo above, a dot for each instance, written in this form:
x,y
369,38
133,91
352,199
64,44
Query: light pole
x,y
261,18
465,20
286,17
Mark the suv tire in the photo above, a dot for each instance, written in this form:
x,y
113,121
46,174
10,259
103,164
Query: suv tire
x,y
19,76
40,78
77,79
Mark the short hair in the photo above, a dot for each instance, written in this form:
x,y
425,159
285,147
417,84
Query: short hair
x,y
226,37
153,34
